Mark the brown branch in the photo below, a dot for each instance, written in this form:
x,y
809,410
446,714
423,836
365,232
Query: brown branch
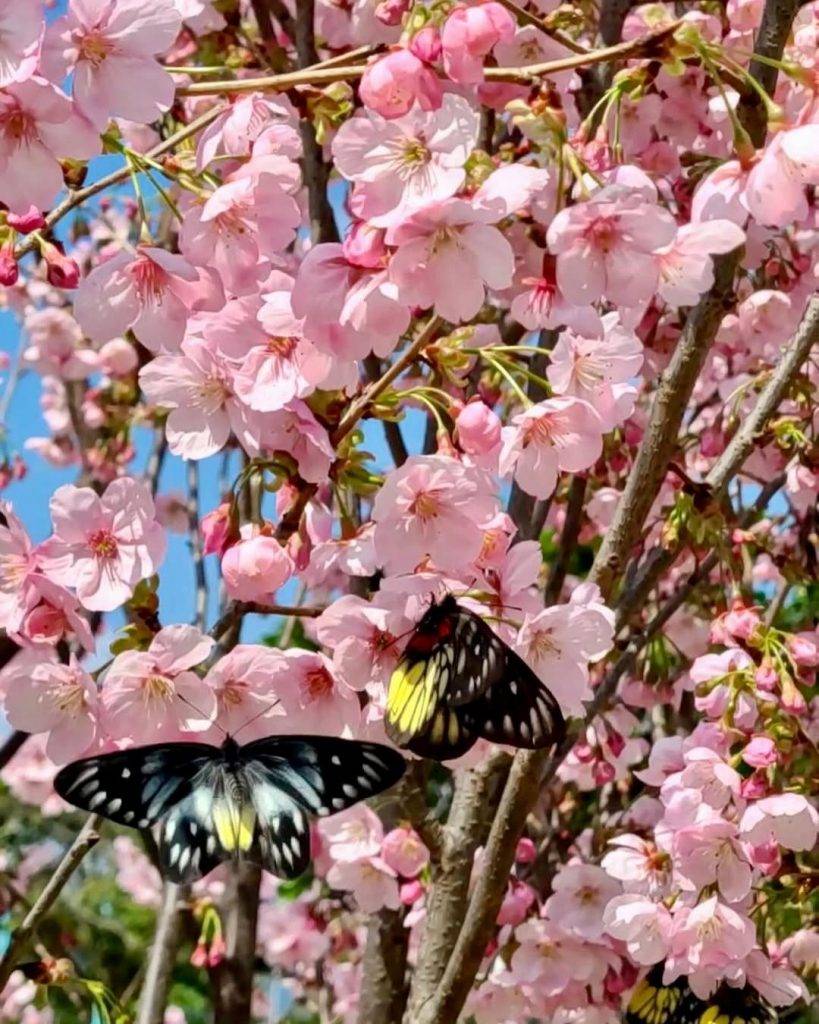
x,y
86,839
774,29
612,18
643,46
162,958
568,539
392,431
469,819
233,978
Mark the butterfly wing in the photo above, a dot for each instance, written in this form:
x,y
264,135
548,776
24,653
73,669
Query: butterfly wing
x,y
452,658
446,737
291,778
135,787
519,710
189,846
654,1002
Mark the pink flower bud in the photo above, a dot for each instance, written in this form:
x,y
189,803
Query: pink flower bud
x,y
603,772
199,957
526,851
390,12
216,530
516,903
31,220
61,270
804,649
9,271
469,33
479,429
44,624
766,857
766,677
392,85
426,44
741,622
364,246
616,742
118,358
404,851
255,568
217,951
411,892
760,752
754,787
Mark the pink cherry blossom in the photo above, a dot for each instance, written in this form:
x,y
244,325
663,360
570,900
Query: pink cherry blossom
x,y
56,345
197,386
606,247
447,255
348,311
354,834
430,508
706,941
372,883
638,865
60,700
361,636
152,696
559,435
401,165
110,51
580,893
644,926
707,851
760,752
21,29
255,567
469,33
38,126
103,546
686,267
315,699
241,683
788,818
589,367
17,563
393,83
236,130
153,293
403,850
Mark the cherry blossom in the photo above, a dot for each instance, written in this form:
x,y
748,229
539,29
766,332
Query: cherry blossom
x,y
103,546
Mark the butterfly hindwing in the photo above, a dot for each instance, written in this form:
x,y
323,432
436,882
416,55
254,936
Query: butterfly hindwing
x,y
519,710
447,736
654,1002
188,845
135,787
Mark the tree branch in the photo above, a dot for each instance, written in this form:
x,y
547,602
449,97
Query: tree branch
x,y
86,839
233,978
774,29
162,959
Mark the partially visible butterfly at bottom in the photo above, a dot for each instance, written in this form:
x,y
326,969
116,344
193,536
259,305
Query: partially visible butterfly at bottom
x,y
656,1003
214,803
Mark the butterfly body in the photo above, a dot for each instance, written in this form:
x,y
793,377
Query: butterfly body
x,y
217,803
654,1002
457,681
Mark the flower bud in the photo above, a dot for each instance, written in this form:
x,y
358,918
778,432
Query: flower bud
x,y
364,246
31,220
61,270
393,84
390,12
254,568
479,429
426,44
525,852
118,358
9,271
215,528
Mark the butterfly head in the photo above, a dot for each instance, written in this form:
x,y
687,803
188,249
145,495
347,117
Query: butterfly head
x,y
230,749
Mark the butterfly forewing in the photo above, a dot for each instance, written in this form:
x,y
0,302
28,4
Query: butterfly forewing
x,y
478,659
135,787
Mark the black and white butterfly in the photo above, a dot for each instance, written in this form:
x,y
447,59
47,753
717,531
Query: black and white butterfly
x,y
213,803
458,681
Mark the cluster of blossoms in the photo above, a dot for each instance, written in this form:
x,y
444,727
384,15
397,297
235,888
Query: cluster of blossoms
x,y
474,234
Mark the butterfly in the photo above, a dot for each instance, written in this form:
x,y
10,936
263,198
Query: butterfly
x,y
213,803
457,681
655,1003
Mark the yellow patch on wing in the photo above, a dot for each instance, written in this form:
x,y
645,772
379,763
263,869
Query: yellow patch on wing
x,y
234,824
643,995
410,698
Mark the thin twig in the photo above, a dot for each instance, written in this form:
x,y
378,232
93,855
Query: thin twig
x,y
361,404
521,14
75,199
524,75
86,839
195,544
568,539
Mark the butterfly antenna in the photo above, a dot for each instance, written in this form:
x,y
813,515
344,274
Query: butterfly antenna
x,y
257,716
201,712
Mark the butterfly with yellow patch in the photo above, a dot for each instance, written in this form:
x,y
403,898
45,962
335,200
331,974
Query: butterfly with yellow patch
x,y
653,1002
217,803
458,681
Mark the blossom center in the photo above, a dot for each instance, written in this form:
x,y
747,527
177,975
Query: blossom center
x,y
319,683
157,687
103,544
425,506
282,347
603,233
415,153
17,124
149,279
94,48
233,692
70,698
13,569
